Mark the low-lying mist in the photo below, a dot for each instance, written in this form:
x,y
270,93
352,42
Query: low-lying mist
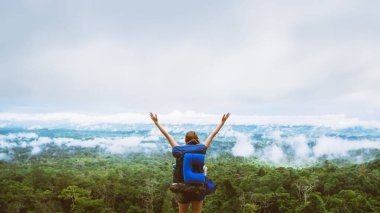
x,y
279,145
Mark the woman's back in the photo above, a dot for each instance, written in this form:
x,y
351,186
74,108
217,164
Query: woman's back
x,y
194,190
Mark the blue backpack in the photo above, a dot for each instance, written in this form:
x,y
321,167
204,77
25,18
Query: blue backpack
x,y
190,160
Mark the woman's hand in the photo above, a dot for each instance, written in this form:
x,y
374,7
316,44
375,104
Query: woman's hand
x,y
225,116
209,139
163,131
154,117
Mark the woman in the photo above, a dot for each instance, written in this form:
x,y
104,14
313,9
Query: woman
x,y
184,199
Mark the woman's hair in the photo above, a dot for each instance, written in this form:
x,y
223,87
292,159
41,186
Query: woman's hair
x,y
191,138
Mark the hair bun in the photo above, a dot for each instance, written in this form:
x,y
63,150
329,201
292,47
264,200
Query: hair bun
x,y
191,138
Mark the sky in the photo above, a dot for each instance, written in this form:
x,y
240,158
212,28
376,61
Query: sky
x,y
270,58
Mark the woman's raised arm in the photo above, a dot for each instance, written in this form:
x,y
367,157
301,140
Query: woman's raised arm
x,y
164,132
209,139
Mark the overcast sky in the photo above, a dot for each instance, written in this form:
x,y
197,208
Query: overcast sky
x,y
247,57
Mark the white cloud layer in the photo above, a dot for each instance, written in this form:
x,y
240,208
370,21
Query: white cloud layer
x,y
110,121
243,146
275,155
249,57
338,147
275,147
4,156
112,145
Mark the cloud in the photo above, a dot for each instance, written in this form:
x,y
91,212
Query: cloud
x,y
300,146
243,146
113,145
37,145
275,155
5,157
20,136
335,147
251,57
274,144
122,120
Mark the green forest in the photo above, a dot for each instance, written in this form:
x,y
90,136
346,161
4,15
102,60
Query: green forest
x,y
88,181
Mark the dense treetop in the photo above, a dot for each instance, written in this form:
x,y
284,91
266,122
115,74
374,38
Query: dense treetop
x,y
87,181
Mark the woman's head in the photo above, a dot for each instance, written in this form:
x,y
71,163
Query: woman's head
x,y
191,138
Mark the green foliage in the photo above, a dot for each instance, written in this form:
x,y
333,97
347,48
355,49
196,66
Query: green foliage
x,y
88,182
315,205
74,195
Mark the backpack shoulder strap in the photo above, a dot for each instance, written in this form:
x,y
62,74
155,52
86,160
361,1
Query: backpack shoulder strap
x,y
179,151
